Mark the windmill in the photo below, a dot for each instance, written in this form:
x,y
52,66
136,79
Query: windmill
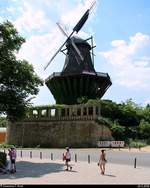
x,y
76,29
78,77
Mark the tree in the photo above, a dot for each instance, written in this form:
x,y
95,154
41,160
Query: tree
x,y
3,122
18,81
118,131
129,116
144,129
146,113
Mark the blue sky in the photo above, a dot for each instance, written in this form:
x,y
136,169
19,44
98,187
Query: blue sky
x,y
121,31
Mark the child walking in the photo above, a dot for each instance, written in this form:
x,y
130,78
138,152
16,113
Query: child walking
x,y
12,155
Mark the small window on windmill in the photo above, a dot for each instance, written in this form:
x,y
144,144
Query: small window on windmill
x,y
35,113
91,111
53,112
44,113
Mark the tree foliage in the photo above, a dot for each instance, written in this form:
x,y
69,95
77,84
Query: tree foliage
x,y
3,122
144,129
118,131
129,119
18,81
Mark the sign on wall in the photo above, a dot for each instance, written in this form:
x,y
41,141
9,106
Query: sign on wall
x,y
110,143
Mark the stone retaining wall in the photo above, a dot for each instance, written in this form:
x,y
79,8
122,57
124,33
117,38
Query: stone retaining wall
x,y
56,133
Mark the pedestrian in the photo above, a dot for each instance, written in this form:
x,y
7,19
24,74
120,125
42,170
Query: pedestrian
x,y
102,161
12,155
67,159
3,167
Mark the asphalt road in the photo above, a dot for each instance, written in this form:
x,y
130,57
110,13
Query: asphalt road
x,y
90,155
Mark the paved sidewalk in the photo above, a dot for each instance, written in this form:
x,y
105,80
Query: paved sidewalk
x,y
44,171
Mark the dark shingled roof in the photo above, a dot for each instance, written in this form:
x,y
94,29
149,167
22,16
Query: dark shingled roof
x,y
78,40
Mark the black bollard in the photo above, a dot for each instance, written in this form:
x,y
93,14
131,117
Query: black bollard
x,y
135,163
30,154
75,157
51,156
40,155
21,153
88,158
110,147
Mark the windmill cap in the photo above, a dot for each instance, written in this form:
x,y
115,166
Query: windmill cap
x,y
78,40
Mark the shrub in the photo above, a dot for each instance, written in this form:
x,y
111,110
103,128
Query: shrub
x,y
136,143
3,145
148,141
104,121
3,158
118,131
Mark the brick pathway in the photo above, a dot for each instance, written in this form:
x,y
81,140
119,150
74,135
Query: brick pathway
x,y
44,171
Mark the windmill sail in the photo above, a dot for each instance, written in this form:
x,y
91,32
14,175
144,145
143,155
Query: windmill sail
x,y
76,29
72,42
82,21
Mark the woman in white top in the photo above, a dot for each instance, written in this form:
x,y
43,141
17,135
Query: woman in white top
x,y
68,159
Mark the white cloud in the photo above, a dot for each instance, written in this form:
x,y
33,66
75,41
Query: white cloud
x,y
73,16
130,68
31,19
39,49
1,19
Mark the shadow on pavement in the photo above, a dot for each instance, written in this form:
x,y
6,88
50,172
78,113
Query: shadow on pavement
x,y
109,175
30,169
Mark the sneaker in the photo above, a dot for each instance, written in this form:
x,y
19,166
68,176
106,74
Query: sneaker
x,y
71,168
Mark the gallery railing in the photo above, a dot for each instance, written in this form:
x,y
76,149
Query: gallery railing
x,y
65,113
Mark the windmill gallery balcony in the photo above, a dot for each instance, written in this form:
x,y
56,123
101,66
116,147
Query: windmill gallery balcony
x,y
65,113
66,89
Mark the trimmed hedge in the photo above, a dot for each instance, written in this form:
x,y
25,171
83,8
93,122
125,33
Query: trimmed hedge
x,y
3,159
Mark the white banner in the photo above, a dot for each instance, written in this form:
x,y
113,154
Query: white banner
x,y
110,143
